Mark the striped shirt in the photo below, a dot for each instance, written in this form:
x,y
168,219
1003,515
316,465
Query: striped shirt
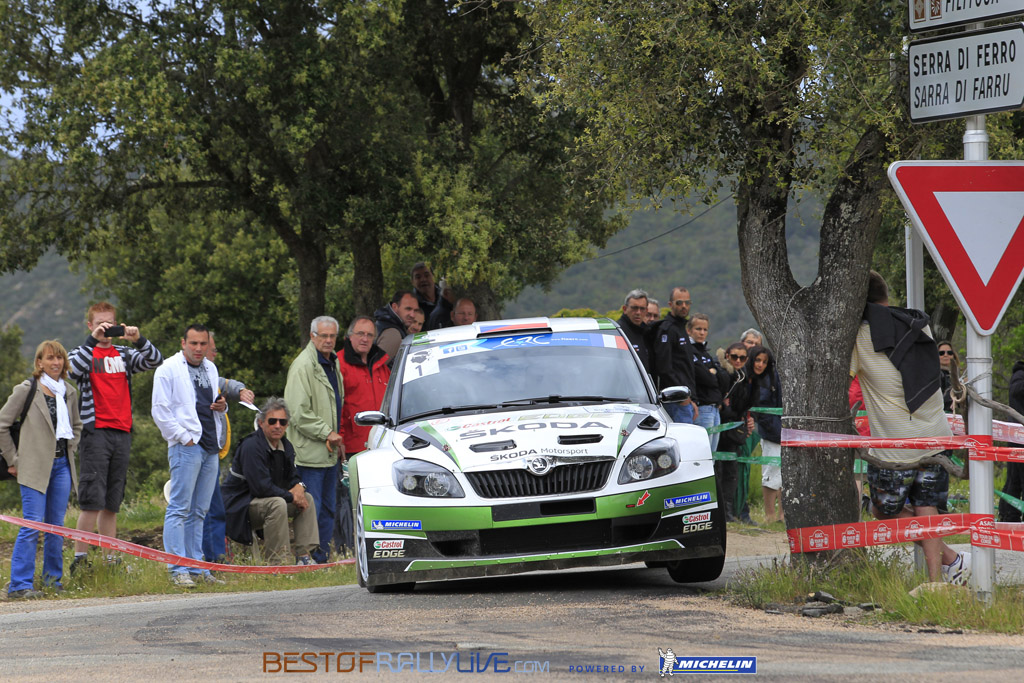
x,y
144,356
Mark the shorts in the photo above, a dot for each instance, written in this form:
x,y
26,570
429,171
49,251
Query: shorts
x,y
891,490
771,475
103,458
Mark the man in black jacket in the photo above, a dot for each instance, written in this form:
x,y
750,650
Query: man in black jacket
x,y
673,359
262,490
634,311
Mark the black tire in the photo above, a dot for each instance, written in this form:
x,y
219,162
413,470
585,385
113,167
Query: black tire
x,y
703,568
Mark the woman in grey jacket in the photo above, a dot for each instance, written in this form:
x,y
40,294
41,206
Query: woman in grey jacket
x,y
43,462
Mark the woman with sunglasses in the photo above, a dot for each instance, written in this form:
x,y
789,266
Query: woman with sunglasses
x,y
43,462
946,356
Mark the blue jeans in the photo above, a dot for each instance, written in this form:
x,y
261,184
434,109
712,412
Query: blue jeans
x,y
193,476
322,484
680,413
215,525
46,507
708,417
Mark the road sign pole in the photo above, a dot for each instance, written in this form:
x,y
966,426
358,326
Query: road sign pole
x,y
979,375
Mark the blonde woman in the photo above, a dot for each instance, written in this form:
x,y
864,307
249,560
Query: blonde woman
x,y
43,462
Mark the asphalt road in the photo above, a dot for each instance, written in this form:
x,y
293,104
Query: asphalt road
x,y
555,623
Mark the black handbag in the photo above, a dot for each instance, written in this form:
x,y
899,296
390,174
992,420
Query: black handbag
x,y
16,430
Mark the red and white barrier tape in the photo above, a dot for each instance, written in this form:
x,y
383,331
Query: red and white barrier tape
x,y
160,556
799,438
985,532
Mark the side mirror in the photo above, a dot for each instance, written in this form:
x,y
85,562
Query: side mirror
x,y
674,394
371,418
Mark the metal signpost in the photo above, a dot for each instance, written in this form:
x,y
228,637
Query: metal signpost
x,y
928,15
978,72
968,75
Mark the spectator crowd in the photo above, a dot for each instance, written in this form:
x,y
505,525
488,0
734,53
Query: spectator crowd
x,y
286,479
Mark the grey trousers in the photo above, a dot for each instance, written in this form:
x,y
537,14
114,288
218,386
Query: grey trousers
x,y
271,515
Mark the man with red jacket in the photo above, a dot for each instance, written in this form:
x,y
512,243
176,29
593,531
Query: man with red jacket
x,y
365,372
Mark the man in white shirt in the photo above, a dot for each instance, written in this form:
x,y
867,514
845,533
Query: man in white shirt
x,y
185,398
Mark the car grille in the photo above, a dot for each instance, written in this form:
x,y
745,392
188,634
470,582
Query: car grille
x,y
588,476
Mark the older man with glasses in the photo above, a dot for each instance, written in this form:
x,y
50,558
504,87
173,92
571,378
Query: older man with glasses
x,y
315,395
262,490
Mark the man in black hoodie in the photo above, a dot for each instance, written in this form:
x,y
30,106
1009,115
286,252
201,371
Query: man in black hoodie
x,y
1014,470
393,320
634,311
673,359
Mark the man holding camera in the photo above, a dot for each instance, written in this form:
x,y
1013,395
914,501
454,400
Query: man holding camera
x,y
103,373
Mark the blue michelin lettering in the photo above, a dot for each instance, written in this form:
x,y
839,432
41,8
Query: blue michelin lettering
x,y
719,665
691,499
388,524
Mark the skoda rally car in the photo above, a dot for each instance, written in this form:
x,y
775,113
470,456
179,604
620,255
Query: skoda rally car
x,y
513,446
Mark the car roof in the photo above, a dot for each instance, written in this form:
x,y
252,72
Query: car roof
x,y
495,328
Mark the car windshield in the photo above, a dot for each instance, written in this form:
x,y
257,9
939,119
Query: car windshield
x,y
523,369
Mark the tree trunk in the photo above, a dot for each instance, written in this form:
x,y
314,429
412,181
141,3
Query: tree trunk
x,y
311,260
814,367
367,273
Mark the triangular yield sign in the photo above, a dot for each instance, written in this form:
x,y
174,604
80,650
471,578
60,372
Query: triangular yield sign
x,y
970,216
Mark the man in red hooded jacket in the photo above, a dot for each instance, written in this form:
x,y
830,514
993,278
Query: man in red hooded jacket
x,y
365,372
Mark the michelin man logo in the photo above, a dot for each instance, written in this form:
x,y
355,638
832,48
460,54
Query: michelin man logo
x,y
668,661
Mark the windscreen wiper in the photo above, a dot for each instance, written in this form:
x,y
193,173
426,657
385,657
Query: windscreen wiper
x,y
558,398
448,410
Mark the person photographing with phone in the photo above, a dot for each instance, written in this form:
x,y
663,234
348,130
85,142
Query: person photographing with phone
x,y
103,373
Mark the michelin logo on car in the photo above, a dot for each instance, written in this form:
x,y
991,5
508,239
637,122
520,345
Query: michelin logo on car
x,y
692,499
394,524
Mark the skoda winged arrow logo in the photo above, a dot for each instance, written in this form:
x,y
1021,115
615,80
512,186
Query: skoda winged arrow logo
x,y
539,465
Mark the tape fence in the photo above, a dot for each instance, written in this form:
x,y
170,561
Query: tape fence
x,y
147,553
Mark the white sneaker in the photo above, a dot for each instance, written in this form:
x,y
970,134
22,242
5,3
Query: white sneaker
x,y
182,580
958,571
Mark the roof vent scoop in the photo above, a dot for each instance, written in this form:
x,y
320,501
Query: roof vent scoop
x,y
414,443
579,439
649,422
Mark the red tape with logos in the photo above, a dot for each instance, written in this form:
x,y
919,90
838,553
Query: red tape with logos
x,y
160,556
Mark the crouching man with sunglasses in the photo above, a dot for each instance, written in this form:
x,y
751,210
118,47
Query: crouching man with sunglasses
x,y
262,490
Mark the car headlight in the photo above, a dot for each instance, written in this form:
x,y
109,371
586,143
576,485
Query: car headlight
x,y
421,478
654,459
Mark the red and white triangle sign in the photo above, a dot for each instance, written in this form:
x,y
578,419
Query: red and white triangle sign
x,y
970,215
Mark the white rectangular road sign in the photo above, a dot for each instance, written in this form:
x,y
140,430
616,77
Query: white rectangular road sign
x,y
978,72
928,15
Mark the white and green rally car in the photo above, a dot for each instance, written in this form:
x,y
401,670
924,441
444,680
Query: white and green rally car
x,y
512,446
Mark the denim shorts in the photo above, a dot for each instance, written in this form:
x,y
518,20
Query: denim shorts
x,y
927,486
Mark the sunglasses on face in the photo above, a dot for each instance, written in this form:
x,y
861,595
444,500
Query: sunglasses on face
x,y
736,356
283,421
680,302
945,353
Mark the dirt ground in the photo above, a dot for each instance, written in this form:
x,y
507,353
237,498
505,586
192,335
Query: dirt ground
x,y
752,542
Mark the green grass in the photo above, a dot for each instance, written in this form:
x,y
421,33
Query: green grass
x,y
884,579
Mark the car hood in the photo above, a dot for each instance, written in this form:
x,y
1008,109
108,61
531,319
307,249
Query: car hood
x,y
506,440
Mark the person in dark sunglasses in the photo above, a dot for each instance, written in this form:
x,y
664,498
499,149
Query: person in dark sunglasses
x,y
946,356
262,490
